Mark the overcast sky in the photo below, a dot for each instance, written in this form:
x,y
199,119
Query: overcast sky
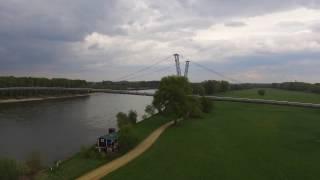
x,y
247,40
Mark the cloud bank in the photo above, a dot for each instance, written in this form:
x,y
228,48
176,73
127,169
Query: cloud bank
x,y
249,40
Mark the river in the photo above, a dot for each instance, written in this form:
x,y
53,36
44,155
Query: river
x,y
58,128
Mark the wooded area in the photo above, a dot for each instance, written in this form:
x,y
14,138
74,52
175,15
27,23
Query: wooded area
x,y
11,81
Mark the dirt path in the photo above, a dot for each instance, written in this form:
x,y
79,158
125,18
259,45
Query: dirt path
x,y
123,160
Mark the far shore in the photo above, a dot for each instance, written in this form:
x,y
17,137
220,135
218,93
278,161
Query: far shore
x,y
6,101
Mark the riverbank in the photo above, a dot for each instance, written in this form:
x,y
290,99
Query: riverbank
x,y
6,101
79,164
128,157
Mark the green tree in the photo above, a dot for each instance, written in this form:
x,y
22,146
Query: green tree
x,y
150,110
173,96
127,138
193,108
132,116
261,92
122,120
211,86
198,89
206,104
224,86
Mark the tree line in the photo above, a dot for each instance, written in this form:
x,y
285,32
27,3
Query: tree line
x,y
208,87
291,86
298,86
11,81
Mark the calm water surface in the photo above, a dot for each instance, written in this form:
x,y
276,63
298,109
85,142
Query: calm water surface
x,y
57,129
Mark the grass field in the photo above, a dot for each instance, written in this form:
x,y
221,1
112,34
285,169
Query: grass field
x,y
236,141
275,94
79,165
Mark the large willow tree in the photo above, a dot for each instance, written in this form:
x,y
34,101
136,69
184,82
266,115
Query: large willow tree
x,y
173,97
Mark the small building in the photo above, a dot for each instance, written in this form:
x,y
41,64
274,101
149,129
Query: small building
x,y
109,142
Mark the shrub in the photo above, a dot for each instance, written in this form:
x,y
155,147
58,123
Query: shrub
x,y
132,116
194,107
84,151
261,92
91,153
145,117
122,120
150,110
206,104
127,138
9,169
196,112
198,89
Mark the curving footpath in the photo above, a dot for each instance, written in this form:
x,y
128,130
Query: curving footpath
x,y
125,159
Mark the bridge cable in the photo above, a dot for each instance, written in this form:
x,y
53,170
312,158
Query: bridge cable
x,y
142,69
215,72
155,71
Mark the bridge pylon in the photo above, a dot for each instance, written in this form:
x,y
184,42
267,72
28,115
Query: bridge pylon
x,y
176,58
186,69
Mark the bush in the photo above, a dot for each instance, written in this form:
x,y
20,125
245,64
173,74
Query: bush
x,y
261,92
194,107
132,116
198,89
91,153
84,151
10,169
206,104
150,110
122,120
127,139
145,117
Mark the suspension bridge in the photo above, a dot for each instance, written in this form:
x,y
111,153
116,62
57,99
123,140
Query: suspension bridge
x,y
167,69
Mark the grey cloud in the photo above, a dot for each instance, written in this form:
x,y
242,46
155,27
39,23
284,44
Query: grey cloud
x,y
272,67
291,24
53,20
231,8
40,35
316,28
235,24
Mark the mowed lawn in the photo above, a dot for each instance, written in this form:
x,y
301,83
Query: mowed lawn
x,y
235,141
275,94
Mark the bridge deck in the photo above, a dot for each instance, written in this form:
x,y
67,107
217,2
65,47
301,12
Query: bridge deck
x,y
216,98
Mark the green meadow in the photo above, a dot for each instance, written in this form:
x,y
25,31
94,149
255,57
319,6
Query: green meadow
x,y
275,94
235,141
